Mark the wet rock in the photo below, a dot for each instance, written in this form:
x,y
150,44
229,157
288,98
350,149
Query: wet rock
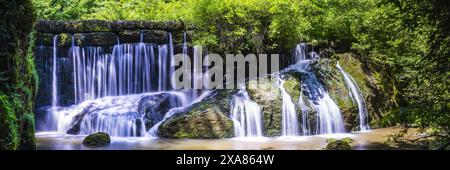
x,y
268,97
333,81
97,140
155,106
149,36
44,39
342,144
206,119
76,122
95,39
49,26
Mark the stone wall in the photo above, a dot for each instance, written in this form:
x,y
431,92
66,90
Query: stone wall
x,y
107,33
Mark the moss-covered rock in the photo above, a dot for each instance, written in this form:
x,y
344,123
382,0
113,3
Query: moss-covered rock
x,y
97,139
343,144
207,119
268,97
292,85
378,94
333,81
18,77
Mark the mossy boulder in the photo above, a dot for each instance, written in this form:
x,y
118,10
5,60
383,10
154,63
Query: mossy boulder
x,y
333,81
268,96
378,93
97,140
338,144
207,119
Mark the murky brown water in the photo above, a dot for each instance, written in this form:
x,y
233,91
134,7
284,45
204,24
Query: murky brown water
x,y
373,139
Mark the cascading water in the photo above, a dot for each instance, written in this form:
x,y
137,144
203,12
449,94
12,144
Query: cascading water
x,y
289,120
109,88
306,125
328,117
54,72
246,116
128,69
356,94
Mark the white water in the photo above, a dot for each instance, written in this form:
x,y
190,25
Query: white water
x,y
289,120
328,119
299,52
119,116
246,116
128,69
113,84
306,125
54,73
355,93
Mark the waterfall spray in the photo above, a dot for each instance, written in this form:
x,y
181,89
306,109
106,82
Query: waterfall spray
x,y
289,116
246,116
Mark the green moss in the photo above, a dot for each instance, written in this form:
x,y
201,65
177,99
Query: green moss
x,y
65,39
206,119
292,86
333,81
354,68
342,144
268,97
97,139
9,138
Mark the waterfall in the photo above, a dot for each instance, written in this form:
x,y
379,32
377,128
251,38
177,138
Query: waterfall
x,y
128,69
119,116
356,95
289,120
246,116
299,53
110,83
328,117
54,72
306,125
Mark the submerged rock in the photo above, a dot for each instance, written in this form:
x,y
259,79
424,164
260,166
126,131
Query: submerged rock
x,y
97,140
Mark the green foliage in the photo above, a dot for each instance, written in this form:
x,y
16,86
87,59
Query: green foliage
x,y
9,139
18,75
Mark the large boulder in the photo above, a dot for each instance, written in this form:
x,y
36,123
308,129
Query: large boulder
x,y
97,140
378,93
206,119
333,81
268,97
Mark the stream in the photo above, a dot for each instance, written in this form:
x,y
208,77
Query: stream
x,y
373,139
